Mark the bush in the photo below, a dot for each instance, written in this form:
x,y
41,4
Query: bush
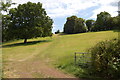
x,y
105,59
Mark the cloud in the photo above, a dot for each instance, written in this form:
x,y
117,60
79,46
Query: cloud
x,y
114,3
63,8
110,9
106,6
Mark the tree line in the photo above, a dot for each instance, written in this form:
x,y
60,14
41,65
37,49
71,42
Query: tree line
x,y
103,22
27,21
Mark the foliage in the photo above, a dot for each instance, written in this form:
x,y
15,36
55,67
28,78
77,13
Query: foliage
x,y
106,59
115,22
5,19
5,6
80,26
5,27
74,25
69,25
29,20
90,24
103,22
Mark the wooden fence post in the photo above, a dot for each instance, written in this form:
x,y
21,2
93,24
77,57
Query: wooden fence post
x,y
75,58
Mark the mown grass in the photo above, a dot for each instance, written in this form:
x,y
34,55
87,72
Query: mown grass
x,y
58,50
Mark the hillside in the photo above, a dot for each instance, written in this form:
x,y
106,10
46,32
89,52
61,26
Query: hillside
x,y
56,51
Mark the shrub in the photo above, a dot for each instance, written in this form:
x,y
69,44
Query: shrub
x,y
105,59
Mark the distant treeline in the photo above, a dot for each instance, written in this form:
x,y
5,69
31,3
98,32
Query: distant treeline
x,y
103,22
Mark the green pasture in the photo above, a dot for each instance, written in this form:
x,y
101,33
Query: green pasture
x,y
57,50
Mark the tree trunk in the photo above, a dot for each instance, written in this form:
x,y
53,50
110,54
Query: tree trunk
x,y
25,41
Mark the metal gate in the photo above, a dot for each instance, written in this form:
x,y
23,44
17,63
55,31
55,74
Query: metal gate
x,y
82,58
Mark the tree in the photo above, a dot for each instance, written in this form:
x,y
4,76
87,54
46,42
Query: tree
x,y
102,22
5,27
70,25
5,19
115,22
74,25
80,26
90,24
5,6
58,31
30,20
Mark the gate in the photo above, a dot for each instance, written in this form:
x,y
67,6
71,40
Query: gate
x,y
81,58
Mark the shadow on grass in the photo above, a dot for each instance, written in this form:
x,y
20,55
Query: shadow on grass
x,y
25,44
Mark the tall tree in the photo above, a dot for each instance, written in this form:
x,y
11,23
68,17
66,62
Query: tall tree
x,y
102,21
5,27
115,22
5,19
69,26
80,26
74,25
30,20
90,24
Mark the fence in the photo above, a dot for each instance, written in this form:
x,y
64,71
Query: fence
x,y
81,58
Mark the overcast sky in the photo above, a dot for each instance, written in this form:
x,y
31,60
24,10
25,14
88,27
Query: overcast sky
x,y
59,10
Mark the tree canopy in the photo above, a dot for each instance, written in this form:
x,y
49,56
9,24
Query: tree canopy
x,y
102,22
115,22
90,24
29,20
5,19
5,6
74,25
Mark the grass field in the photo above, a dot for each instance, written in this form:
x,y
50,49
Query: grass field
x,y
58,50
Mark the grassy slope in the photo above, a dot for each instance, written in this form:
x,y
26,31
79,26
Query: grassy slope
x,y
59,50
64,46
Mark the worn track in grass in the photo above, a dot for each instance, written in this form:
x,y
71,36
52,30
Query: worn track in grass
x,y
29,67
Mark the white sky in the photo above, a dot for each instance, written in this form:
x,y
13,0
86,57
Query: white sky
x,y
59,8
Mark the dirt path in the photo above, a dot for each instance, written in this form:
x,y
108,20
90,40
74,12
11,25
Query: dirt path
x,y
30,67
33,69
